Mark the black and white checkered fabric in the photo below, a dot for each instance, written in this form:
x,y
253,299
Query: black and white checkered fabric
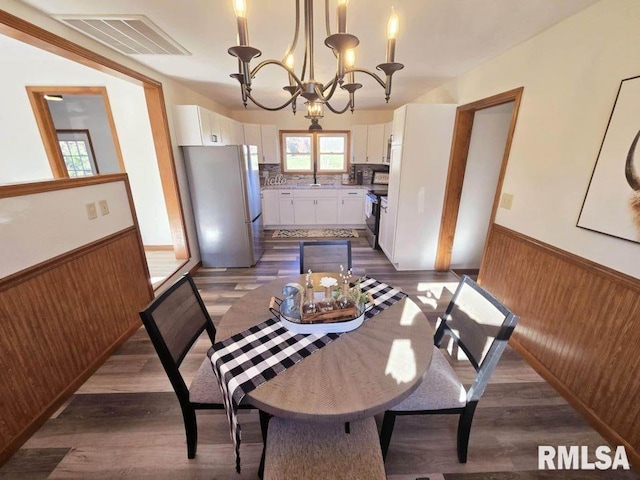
x,y
248,359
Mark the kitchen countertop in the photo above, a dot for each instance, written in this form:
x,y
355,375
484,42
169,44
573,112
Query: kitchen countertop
x,y
287,186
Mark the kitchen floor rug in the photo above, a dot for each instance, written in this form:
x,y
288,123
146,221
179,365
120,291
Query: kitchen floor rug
x,y
315,233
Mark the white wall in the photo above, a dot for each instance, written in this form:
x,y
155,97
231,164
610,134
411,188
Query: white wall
x,y
571,74
486,150
32,66
87,112
174,93
37,227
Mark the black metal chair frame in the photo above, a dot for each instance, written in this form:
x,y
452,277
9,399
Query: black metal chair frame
x,y
483,368
324,242
171,367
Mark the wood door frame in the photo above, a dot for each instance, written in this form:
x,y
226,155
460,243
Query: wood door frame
x,y
20,29
457,165
45,123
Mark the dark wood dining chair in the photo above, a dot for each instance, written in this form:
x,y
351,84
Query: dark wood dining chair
x,y
325,255
481,327
174,321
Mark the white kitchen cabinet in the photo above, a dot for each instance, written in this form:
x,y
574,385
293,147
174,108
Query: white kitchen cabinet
x,y
375,143
417,179
270,144
225,130
388,136
237,133
316,207
304,211
286,210
369,143
351,207
398,125
326,211
195,125
265,137
252,136
270,207
359,144
309,207
384,233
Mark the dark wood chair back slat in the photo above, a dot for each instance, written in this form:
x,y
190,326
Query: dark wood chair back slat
x,y
481,325
176,319
325,255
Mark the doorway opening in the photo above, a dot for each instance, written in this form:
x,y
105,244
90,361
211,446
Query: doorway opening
x,y
479,155
78,128
155,113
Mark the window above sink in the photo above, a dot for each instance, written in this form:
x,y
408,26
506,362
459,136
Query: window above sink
x,y
322,152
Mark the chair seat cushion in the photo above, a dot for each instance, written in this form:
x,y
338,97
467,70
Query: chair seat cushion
x,y
204,388
440,388
311,450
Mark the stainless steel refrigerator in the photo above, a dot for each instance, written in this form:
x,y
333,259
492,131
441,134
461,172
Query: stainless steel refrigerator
x,y
225,194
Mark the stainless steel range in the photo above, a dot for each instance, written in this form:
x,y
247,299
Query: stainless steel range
x,y
372,207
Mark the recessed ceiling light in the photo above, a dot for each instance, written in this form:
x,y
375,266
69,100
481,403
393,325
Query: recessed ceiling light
x,y
53,98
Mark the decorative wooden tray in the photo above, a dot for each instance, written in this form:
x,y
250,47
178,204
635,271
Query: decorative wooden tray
x,y
335,321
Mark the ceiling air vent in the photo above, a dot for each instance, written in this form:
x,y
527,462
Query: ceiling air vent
x,y
128,34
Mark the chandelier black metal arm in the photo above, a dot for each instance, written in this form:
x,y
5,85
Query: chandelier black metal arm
x,y
273,109
342,45
346,107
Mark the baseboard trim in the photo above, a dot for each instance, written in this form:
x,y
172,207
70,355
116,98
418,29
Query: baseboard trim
x,y
158,248
195,268
594,420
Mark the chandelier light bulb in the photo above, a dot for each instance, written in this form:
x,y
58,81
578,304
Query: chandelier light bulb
x,y
350,58
315,110
240,8
289,61
393,25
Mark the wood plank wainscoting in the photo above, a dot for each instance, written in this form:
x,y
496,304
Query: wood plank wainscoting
x,y
579,328
61,319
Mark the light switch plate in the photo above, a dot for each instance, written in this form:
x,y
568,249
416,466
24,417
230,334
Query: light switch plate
x,y
104,207
506,201
92,213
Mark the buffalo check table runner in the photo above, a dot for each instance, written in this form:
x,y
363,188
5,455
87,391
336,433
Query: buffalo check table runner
x,y
248,359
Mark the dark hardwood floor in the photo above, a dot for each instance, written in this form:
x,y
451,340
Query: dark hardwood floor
x,y
125,422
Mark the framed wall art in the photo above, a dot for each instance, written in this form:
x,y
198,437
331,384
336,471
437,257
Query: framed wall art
x,y
612,202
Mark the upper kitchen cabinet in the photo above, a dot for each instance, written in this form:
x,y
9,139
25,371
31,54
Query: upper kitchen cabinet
x,y
265,137
225,130
231,131
237,133
252,136
398,125
369,143
359,144
388,140
195,125
417,179
270,144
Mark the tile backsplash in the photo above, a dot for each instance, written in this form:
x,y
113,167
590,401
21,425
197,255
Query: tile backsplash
x,y
268,171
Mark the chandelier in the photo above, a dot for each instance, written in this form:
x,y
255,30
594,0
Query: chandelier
x,y
317,94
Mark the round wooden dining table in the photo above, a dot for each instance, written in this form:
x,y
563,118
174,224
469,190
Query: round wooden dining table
x,y
360,374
